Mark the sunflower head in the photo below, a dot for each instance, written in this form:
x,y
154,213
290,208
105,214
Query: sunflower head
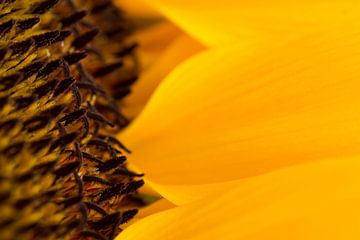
x,y
63,174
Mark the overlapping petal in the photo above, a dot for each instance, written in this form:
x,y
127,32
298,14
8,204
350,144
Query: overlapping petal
x,y
218,23
181,48
153,41
158,206
235,113
311,201
138,8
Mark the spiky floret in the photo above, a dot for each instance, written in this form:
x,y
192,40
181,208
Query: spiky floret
x,y
63,175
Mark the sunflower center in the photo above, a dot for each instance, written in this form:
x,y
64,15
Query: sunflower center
x,y
65,65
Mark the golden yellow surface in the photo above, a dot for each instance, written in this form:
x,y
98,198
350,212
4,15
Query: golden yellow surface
x,y
257,137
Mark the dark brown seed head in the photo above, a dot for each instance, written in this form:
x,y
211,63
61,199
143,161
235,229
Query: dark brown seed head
x,y
63,174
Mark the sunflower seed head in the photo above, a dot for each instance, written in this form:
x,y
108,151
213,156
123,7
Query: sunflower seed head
x,y
63,173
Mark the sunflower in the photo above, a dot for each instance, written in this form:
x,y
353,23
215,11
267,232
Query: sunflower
x,y
254,137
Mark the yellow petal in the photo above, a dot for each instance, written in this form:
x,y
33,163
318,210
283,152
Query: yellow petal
x,y
306,202
158,206
180,49
184,194
137,8
218,23
230,114
153,41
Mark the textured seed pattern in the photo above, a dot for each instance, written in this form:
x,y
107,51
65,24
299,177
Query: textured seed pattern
x,y
62,66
